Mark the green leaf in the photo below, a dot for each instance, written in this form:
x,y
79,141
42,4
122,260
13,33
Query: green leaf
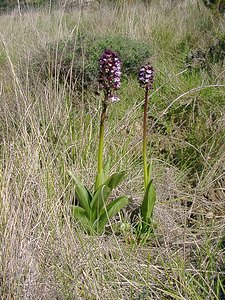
x,y
111,210
80,215
107,167
99,200
83,195
149,171
100,178
148,203
114,180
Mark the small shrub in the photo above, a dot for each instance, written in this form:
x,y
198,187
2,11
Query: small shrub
x,y
218,5
132,52
216,52
76,61
205,58
61,61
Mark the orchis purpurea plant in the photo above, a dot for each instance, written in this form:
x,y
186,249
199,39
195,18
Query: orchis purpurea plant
x,y
146,78
95,209
109,82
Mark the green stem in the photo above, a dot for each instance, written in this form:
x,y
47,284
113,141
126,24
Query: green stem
x,y
101,138
145,139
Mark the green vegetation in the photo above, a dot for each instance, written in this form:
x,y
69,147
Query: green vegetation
x,y
49,124
9,5
75,61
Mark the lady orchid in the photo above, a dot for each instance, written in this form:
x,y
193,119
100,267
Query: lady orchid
x,y
95,209
109,82
146,79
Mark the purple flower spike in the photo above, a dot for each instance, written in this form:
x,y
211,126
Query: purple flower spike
x,y
146,76
110,73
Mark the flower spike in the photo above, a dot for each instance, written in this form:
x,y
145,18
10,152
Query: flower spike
x,y
146,76
110,74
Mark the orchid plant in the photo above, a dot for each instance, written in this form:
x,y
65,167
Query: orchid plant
x,y
145,225
95,209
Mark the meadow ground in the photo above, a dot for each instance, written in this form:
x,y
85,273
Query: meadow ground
x,y
49,124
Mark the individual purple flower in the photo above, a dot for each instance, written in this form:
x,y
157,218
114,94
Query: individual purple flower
x,y
113,98
110,73
146,76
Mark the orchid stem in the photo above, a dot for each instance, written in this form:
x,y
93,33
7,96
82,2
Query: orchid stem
x,y
101,138
145,139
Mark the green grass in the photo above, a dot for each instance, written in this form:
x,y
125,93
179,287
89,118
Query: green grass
x,y
46,129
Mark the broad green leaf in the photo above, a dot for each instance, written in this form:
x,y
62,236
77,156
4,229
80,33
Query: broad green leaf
x,y
83,195
80,215
111,210
148,203
99,200
114,180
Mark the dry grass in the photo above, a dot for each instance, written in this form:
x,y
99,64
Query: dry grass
x,y
45,131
